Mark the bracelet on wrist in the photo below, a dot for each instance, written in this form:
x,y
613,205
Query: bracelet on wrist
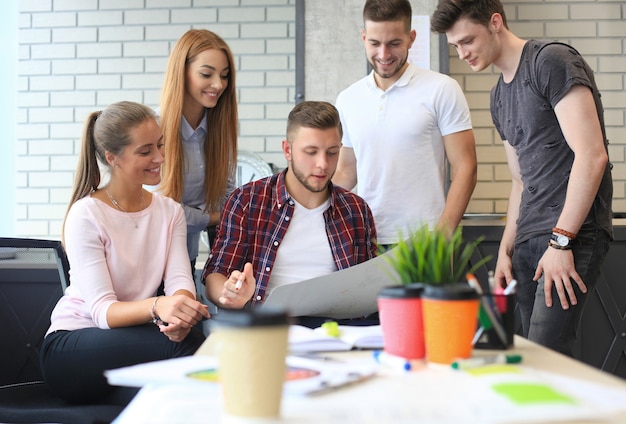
x,y
153,314
561,231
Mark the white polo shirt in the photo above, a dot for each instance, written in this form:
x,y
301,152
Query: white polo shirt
x,y
397,140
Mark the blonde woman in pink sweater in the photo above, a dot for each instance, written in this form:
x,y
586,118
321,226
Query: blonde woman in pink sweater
x,y
122,241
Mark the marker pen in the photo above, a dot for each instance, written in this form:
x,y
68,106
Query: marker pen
x,y
500,300
239,282
510,288
392,361
490,309
464,364
491,279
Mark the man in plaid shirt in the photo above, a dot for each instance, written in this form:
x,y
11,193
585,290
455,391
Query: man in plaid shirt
x,y
294,225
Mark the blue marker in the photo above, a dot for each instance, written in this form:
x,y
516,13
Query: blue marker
x,y
392,361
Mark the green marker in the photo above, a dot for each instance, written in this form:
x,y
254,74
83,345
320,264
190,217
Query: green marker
x,y
480,361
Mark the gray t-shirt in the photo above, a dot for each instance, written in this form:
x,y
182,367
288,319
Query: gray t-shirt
x,y
523,113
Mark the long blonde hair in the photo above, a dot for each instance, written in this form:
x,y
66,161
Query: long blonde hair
x,y
220,146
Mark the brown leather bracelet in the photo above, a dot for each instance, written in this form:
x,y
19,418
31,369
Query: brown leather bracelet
x,y
561,231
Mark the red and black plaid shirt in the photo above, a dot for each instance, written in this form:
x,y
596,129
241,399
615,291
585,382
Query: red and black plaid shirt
x,y
255,220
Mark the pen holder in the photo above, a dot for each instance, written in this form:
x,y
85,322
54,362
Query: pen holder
x,y
487,336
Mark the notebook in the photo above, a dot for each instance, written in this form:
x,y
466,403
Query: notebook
x,y
304,339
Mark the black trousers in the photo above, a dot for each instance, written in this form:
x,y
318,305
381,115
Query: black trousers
x,y
73,362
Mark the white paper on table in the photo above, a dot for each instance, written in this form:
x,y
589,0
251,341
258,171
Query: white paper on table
x,y
173,370
317,376
436,395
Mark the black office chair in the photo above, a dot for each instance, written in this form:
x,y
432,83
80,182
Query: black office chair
x,y
33,275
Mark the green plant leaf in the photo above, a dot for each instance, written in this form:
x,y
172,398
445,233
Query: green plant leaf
x,y
429,256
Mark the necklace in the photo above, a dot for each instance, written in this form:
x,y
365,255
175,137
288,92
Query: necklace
x,y
117,205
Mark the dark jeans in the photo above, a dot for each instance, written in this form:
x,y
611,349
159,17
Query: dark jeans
x,y
556,327
73,362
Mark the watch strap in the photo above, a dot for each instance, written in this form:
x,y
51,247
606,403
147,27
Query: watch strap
x,y
558,246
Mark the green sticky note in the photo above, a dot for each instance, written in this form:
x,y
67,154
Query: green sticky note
x,y
531,393
494,369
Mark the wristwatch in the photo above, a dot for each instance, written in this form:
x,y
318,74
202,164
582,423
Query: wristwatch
x,y
561,241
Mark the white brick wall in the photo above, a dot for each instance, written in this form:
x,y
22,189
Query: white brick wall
x,y
597,30
76,56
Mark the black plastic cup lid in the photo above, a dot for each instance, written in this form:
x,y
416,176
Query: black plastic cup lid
x,y
454,291
400,292
253,317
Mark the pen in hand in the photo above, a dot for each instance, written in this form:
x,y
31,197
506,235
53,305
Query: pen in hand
x,y
239,282
510,288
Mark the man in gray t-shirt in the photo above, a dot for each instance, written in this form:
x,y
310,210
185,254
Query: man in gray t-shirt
x,y
547,110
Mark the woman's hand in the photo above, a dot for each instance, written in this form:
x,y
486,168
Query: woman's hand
x,y
174,333
180,311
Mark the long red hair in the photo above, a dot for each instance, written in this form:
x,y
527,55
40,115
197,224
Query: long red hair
x,y
220,146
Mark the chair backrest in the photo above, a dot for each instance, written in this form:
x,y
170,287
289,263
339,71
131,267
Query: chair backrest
x,y
33,275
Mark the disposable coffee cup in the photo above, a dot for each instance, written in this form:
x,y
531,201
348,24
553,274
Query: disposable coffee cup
x,y
450,321
251,349
400,314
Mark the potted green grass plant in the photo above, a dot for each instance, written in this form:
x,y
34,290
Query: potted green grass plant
x,y
431,256
428,260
